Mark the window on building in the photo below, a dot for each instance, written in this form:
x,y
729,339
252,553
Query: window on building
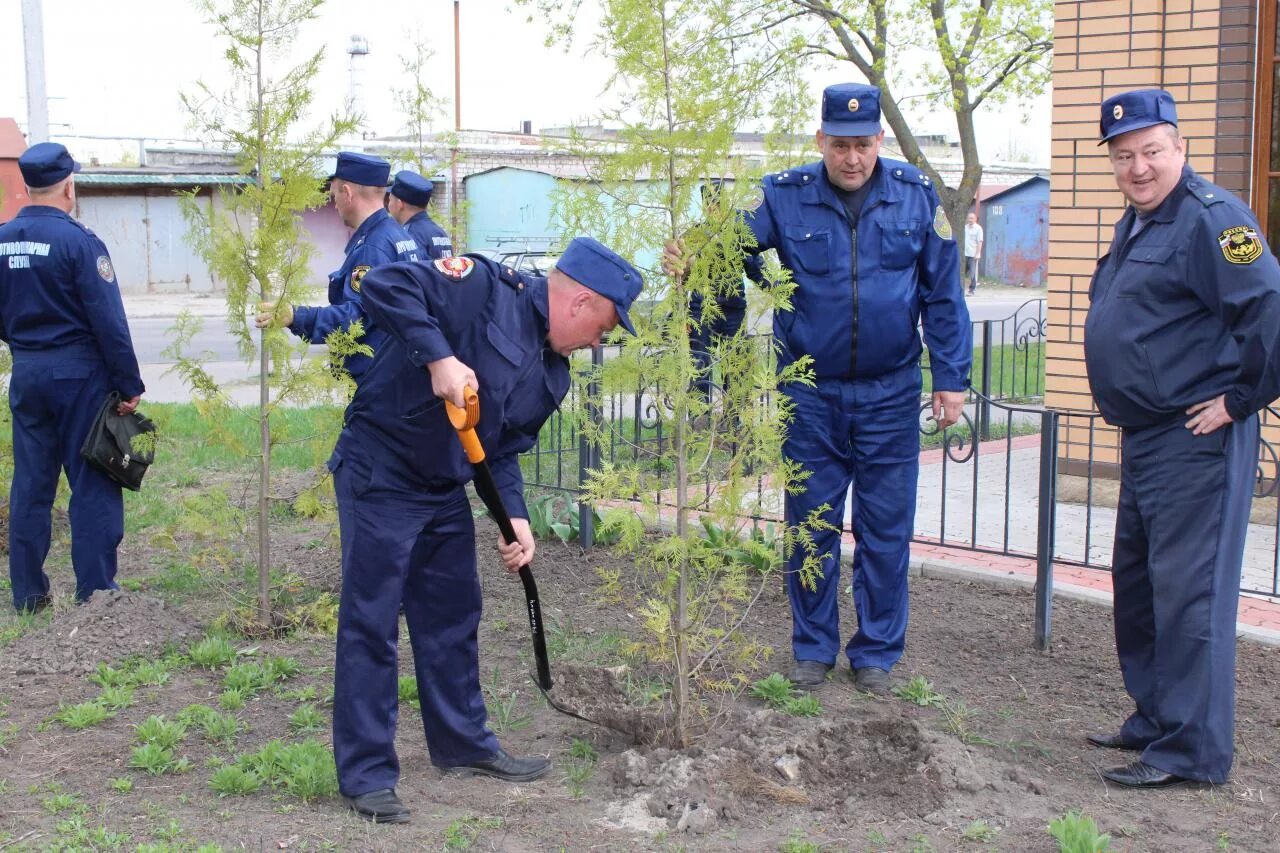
x,y
1267,161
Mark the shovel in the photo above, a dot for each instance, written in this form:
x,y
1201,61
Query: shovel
x,y
464,420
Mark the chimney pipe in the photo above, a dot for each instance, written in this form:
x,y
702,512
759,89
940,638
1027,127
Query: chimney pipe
x,y
526,127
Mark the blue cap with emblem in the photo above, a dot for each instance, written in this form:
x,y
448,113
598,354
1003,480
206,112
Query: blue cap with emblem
x,y
411,188
46,163
1135,110
851,109
363,169
590,263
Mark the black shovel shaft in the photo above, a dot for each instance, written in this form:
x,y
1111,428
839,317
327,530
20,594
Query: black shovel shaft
x,y
488,492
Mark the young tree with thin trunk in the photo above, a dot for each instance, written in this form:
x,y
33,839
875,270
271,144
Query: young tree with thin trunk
x,y
251,236
686,90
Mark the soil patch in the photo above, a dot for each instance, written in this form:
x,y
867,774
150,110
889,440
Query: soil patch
x,y
996,756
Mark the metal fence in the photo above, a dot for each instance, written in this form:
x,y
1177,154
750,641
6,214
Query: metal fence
x,y
990,484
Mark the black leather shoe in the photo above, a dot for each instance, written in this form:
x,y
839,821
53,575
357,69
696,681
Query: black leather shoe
x,y
1140,774
871,679
379,806
808,674
508,768
1114,741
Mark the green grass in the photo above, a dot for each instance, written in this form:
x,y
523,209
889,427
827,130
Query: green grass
x,y
779,694
1077,833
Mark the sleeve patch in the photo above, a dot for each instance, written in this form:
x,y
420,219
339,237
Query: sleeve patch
x,y
357,276
1240,244
757,199
105,270
455,268
941,225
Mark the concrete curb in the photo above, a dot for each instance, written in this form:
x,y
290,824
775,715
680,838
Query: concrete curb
x,y
933,568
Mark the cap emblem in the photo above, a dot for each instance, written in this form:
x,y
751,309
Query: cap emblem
x,y
853,105
1118,112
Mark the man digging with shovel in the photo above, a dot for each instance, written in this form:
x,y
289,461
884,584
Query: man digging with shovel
x,y
399,471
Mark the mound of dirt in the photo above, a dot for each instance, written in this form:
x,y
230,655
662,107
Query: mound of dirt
x,y
878,764
110,626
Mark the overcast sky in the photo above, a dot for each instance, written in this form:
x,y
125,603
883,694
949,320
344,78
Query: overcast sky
x,y
117,67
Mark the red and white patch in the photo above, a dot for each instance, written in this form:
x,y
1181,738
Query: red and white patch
x,y
455,268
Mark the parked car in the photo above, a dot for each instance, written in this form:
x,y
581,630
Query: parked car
x,y
524,259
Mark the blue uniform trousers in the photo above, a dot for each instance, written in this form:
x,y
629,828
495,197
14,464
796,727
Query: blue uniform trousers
x,y
416,547
1180,532
864,432
54,397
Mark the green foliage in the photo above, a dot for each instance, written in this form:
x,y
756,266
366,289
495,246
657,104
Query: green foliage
x,y
580,766
779,693
463,832
307,718
120,784
981,831
305,770
212,652
1077,833
116,697
407,691
556,514
919,690
155,759
73,834
161,732
231,780
82,715
504,706
252,239
61,802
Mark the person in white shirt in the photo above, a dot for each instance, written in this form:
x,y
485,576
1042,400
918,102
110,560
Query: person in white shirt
x,y
972,250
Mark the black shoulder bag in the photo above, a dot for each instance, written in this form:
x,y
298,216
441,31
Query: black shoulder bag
x,y
109,444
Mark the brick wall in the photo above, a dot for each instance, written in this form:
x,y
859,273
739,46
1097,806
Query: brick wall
x,y
1202,52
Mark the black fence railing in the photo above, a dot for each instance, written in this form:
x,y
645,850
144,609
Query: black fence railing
x,y
989,484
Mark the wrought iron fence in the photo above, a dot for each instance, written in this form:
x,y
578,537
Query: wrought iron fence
x,y
990,484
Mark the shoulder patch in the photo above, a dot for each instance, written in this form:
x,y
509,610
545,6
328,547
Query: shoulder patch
x,y
756,199
105,270
941,225
1240,244
357,276
455,268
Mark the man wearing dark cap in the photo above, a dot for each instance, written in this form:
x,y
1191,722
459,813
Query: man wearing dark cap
x,y
63,319
872,255
1182,349
356,188
399,472
407,203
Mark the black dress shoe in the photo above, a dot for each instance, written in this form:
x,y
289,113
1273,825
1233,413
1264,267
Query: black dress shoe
x,y
508,768
871,679
808,674
1140,774
1114,741
379,806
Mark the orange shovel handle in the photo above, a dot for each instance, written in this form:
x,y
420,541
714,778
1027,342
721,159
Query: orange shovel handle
x,y
464,420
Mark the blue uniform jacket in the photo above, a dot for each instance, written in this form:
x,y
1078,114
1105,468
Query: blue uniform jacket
x,y
1186,310
492,319
379,240
430,237
860,322
58,292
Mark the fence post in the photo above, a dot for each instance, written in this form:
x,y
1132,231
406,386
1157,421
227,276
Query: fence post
x,y
1046,527
984,404
589,452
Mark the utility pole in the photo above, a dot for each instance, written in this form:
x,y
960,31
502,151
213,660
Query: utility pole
x,y
457,123
33,49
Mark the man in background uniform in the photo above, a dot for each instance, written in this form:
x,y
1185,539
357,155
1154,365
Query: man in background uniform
x,y
357,187
407,203
1182,349
872,255
63,319
399,473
